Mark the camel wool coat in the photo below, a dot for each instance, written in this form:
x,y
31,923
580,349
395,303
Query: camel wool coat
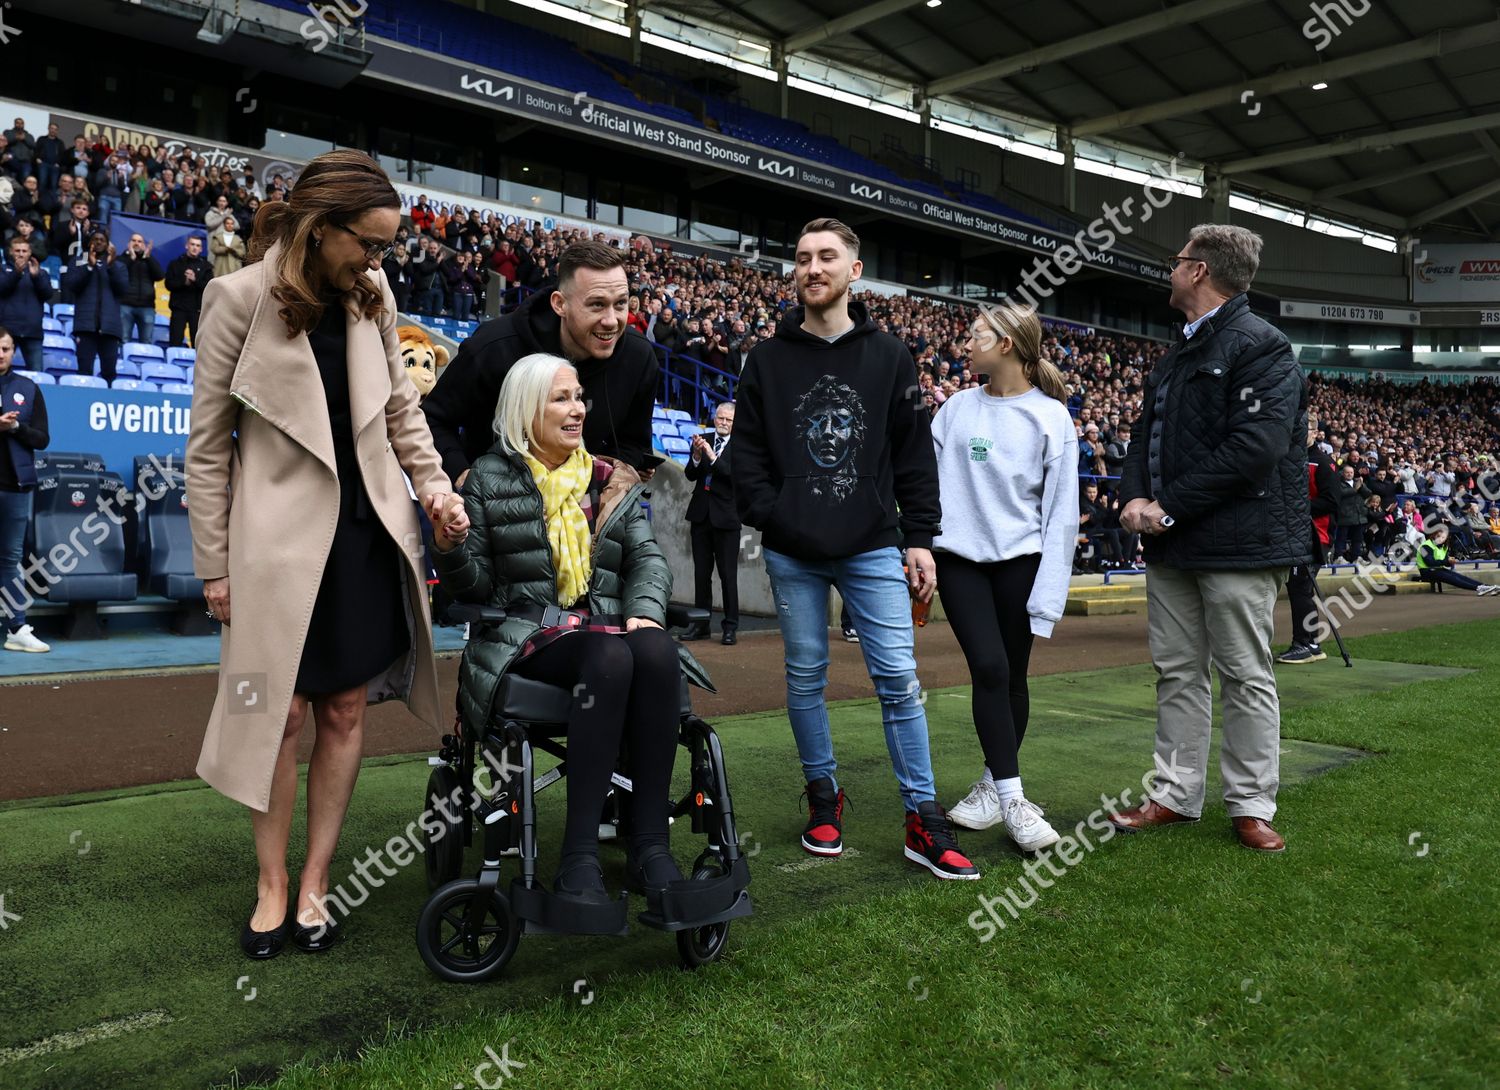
x,y
263,501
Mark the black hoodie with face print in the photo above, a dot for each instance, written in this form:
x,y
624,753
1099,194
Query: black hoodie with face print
x,y
833,445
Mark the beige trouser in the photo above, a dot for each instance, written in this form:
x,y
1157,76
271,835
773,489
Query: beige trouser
x,y
1223,618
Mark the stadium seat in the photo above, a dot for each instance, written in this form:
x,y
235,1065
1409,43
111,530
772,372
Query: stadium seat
x,y
52,325
679,414
184,388
162,372
62,310
675,445
41,378
149,474
687,429
135,384
182,357
71,511
79,460
169,556
92,382
142,354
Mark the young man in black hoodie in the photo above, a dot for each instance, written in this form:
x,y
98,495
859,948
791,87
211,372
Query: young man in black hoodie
x,y
583,319
831,440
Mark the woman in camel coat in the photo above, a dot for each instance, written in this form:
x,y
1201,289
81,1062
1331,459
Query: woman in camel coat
x,y
304,530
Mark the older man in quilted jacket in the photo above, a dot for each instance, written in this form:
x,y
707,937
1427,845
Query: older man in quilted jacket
x,y
1216,481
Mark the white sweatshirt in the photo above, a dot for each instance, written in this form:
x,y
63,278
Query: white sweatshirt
x,y
1008,474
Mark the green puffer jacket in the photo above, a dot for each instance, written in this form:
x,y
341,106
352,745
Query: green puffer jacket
x,y
506,561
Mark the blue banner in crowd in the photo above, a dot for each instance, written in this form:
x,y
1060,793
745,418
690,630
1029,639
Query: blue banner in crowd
x,y
168,238
117,424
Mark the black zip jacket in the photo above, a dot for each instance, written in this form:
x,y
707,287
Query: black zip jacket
x,y
831,440
620,390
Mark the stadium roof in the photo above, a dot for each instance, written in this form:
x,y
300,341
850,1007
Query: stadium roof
x,y
1379,111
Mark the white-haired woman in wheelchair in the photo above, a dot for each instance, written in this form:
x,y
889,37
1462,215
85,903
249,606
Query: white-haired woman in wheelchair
x,y
558,540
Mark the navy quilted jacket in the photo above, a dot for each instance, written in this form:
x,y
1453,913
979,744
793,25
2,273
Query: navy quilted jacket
x,y
1230,434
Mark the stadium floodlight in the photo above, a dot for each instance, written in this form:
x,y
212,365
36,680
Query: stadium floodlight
x,y
1320,87
934,3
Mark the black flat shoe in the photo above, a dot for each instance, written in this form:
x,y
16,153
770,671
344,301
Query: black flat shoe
x,y
581,880
315,940
730,639
261,945
651,870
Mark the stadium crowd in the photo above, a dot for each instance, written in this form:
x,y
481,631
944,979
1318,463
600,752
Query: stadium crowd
x,y
1431,440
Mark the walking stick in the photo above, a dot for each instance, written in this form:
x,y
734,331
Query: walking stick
x,y
1318,594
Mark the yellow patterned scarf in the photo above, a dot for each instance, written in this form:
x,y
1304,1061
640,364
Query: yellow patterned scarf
x,y
562,491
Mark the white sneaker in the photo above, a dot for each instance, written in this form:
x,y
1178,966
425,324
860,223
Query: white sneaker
x,y
1023,821
1488,588
23,639
980,808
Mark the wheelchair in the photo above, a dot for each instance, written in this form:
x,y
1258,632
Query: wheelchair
x,y
470,927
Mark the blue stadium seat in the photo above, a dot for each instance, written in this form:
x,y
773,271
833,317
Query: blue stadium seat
x,y
687,429
62,310
68,512
127,369
184,388
92,382
142,354
135,384
679,414
182,357
57,360
51,325
674,445
169,549
162,372
41,378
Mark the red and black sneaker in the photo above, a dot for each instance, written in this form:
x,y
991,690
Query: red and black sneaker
x,y
930,842
825,812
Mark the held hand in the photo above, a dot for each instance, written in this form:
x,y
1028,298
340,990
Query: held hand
x,y
1130,517
647,474
632,624
216,594
10,421
921,573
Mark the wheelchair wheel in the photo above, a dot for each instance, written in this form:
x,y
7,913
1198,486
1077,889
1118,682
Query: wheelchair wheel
x,y
700,945
452,949
444,855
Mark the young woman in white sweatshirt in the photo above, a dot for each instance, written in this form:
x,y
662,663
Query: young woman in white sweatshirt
x,y
1008,475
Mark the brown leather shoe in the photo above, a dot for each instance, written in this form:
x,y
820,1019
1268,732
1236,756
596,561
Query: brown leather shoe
x,y
1257,833
1147,816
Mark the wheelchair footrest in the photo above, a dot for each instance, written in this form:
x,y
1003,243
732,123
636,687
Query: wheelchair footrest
x,y
689,903
544,912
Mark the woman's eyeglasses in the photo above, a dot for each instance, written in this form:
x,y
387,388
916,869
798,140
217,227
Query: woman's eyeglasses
x,y
373,247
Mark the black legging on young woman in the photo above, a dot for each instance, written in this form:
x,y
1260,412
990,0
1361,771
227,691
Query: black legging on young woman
x,y
986,607
624,688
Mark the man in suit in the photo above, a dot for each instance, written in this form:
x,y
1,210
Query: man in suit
x,y
716,524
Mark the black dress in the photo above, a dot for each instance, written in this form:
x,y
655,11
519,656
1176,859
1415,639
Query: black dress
x,y
358,624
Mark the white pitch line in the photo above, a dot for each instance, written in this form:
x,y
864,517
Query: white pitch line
x,y
63,1042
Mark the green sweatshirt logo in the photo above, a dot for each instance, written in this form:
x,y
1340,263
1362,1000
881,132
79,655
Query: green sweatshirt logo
x,y
979,448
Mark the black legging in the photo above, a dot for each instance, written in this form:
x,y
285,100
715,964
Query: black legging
x,y
986,607
624,688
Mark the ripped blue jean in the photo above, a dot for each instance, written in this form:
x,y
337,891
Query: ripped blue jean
x,y
874,589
